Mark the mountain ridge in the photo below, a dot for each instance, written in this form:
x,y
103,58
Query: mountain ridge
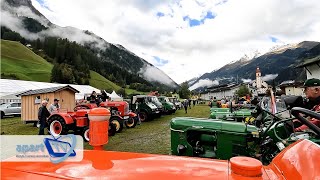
x,y
118,55
278,64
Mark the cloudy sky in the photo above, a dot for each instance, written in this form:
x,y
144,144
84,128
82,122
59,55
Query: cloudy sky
x,y
186,38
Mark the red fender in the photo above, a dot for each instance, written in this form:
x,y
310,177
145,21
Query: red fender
x,y
132,114
67,117
117,116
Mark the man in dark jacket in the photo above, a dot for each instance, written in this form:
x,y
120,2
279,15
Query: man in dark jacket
x,y
185,105
312,91
43,114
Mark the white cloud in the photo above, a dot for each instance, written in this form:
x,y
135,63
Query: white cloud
x,y
239,28
152,73
204,83
246,80
269,77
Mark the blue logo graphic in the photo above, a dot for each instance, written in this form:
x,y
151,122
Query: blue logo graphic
x,y
60,150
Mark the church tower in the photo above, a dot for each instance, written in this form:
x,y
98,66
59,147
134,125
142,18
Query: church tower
x,y
258,78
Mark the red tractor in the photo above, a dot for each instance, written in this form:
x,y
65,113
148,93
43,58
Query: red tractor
x,y
120,114
60,123
121,108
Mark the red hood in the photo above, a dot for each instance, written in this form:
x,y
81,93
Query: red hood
x,y
298,161
122,166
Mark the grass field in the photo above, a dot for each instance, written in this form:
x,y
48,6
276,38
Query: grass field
x,y
101,82
149,137
23,63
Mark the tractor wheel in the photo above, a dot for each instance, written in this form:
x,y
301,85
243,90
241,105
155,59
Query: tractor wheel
x,y
57,126
131,122
143,116
2,114
117,122
85,134
111,130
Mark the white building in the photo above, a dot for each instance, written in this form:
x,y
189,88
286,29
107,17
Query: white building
x,y
9,87
292,88
220,91
258,86
312,67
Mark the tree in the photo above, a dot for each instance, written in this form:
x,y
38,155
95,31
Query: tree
x,y
168,94
184,91
121,92
243,91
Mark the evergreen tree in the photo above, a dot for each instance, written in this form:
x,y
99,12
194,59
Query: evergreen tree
x,y
184,91
243,91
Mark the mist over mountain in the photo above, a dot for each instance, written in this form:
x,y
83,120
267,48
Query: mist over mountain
x,y
21,17
277,65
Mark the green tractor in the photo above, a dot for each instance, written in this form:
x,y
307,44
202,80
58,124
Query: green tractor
x,y
168,107
146,110
239,114
221,139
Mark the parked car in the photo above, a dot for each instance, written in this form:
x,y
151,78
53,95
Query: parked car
x,y
9,109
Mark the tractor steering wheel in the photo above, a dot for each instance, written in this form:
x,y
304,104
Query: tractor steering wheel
x,y
289,126
296,113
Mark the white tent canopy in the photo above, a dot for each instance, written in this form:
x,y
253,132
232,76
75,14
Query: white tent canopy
x,y
9,86
115,97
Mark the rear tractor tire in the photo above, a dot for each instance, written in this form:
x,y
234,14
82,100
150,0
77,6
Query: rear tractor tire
x,y
57,126
85,134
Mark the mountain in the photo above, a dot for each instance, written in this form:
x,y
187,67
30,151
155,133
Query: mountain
x,y
20,17
19,62
278,64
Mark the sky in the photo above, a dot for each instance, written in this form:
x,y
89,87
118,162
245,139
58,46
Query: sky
x,y
187,38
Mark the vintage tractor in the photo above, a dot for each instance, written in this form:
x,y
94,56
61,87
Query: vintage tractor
x,y
156,102
233,113
298,161
116,119
121,108
176,102
145,109
223,139
60,123
168,107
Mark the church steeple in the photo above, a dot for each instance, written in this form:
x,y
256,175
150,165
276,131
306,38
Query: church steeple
x,y
258,78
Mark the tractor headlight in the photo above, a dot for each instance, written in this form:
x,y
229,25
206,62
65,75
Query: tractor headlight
x,y
181,149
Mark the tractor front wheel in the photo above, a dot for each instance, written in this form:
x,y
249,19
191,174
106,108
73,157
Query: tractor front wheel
x,y
131,122
111,130
85,134
143,116
57,126
118,122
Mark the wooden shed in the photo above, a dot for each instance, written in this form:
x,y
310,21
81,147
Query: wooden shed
x,y
31,100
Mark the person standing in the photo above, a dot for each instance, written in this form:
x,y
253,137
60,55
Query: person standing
x,y
43,114
312,91
214,102
55,106
194,102
185,105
